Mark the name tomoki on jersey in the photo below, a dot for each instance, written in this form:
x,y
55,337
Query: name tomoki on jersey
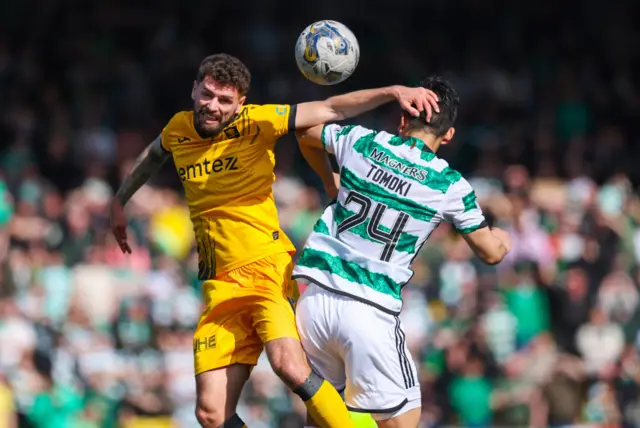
x,y
394,191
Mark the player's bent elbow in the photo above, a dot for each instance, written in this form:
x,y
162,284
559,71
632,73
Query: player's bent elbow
x,y
304,139
310,137
492,260
485,246
495,256
302,135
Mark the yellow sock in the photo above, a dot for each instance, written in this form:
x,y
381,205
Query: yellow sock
x,y
327,408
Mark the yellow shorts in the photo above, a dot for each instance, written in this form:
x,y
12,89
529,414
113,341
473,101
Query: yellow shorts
x,y
245,308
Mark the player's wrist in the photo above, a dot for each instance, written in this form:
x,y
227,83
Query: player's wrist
x,y
118,201
393,91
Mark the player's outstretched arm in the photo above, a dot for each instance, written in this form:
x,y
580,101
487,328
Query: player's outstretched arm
x,y
147,164
340,107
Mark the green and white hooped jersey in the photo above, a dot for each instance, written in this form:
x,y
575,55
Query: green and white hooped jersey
x,y
392,196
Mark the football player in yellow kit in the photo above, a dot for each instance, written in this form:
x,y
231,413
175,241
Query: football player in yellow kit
x,y
223,152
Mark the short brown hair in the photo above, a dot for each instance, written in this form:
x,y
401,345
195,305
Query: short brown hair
x,y
225,69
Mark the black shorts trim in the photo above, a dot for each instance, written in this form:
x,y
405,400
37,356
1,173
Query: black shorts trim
x,y
405,364
391,410
342,293
291,124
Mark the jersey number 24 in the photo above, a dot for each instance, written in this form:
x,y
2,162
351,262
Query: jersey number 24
x,y
390,238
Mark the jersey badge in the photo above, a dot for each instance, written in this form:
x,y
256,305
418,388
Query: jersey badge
x,y
232,132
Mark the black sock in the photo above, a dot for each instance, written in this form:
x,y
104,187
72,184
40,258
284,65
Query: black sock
x,y
233,422
309,387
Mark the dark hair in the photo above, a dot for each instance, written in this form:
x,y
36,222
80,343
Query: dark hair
x,y
225,69
448,103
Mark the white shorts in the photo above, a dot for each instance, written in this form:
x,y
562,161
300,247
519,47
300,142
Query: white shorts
x,y
359,349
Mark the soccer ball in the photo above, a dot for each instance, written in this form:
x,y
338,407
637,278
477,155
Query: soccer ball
x,y
327,52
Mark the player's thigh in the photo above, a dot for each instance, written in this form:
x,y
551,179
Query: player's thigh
x,y
225,334
272,305
317,313
381,376
408,419
218,392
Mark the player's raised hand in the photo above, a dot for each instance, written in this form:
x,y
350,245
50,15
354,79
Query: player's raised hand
x,y
119,225
418,100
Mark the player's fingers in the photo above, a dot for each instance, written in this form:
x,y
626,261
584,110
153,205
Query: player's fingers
x,y
433,95
424,106
122,244
120,233
419,101
432,98
428,112
124,247
410,109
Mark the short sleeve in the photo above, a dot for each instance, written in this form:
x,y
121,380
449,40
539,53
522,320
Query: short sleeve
x,y
165,137
274,119
462,209
164,142
175,131
339,140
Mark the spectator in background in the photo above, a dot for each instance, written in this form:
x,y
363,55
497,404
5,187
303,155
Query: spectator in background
x,y
573,292
527,301
55,405
549,134
471,393
499,327
600,343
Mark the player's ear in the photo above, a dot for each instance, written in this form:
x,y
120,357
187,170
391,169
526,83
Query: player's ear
x,y
404,121
448,136
240,104
193,90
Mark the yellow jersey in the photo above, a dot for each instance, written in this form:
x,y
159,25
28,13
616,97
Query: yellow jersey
x,y
228,182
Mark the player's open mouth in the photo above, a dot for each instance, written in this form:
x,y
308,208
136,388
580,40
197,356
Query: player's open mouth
x,y
210,120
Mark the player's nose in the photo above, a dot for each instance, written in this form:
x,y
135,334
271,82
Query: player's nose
x,y
213,106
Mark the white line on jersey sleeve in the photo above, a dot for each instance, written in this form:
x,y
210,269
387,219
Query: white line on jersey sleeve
x,y
339,140
461,208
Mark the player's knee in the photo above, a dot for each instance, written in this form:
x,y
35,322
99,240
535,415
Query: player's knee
x,y
209,415
288,361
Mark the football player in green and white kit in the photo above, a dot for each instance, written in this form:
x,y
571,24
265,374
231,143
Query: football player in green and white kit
x,y
394,191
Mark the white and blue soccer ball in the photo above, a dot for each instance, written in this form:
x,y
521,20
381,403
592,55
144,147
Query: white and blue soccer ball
x,y
327,52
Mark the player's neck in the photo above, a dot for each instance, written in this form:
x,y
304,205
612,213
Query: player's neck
x,y
428,139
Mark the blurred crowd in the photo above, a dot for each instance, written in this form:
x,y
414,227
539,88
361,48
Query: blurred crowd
x,y
546,134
